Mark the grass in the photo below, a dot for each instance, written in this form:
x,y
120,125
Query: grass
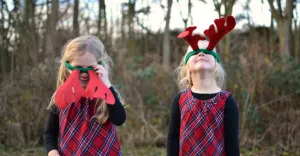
x,y
144,151
14,151
40,151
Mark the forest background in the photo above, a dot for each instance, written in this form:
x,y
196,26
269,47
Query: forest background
x,y
261,57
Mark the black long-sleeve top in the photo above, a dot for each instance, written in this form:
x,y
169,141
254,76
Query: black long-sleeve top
x,y
116,113
231,125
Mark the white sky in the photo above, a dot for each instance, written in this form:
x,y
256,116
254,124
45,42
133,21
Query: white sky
x,y
203,14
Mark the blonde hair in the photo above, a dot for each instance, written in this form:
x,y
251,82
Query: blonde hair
x,y
77,47
183,75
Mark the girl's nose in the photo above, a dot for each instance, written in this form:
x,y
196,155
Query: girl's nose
x,y
201,54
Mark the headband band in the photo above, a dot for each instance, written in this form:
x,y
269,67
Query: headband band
x,y
191,53
82,70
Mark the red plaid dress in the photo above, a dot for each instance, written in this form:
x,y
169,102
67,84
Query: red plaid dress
x,y
81,135
202,127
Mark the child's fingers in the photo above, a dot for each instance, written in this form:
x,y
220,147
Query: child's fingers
x,y
97,67
99,72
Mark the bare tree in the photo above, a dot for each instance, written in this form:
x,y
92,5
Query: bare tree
x,y
166,39
75,18
102,21
283,18
50,35
130,22
189,16
296,36
4,41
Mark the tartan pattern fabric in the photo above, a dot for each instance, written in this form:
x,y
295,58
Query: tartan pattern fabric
x,y
81,135
202,127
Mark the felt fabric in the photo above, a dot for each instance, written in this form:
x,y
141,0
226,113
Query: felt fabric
x,y
69,92
82,70
75,117
97,89
195,52
224,25
192,40
222,30
72,91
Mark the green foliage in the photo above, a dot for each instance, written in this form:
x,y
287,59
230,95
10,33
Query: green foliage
x,y
287,79
147,73
150,99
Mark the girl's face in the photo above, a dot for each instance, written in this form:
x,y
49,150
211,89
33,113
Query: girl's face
x,y
201,62
84,61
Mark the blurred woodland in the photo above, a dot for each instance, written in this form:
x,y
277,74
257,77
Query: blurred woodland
x,y
262,65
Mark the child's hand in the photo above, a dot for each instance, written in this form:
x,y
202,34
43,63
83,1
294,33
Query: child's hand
x,y
103,74
53,153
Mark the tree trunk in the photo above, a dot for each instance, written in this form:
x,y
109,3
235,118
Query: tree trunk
x,y
3,50
296,43
111,32
122,25
166,40
87,20
284,20
50,35
102,24
284,28
296,37
15,20
75,18
190,12
131,35
271,36
28,35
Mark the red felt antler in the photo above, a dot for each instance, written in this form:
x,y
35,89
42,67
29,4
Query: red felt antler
x,y
215,37
70,91
191,39
97,89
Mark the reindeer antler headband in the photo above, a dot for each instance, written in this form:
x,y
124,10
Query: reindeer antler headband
x,y
214,37
72,91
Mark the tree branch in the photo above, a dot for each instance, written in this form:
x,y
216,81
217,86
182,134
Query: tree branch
x,y
279,7
183,19
218,7
274,12
65,11
289,7
143,27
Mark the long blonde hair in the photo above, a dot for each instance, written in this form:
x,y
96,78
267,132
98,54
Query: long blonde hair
x,y
77,47
183,74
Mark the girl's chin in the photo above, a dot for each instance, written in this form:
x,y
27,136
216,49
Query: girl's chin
x,y
203,68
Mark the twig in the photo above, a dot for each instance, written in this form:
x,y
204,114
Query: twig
x,y
276,100
143,116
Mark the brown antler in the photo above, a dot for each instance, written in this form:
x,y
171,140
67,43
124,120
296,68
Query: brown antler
x,y
191,39
215,37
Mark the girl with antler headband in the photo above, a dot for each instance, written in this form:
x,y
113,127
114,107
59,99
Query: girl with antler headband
x,y
204,118
85,107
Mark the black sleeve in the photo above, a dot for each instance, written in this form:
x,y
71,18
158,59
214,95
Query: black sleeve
x,y
174,128
116,112
52,130
231,127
